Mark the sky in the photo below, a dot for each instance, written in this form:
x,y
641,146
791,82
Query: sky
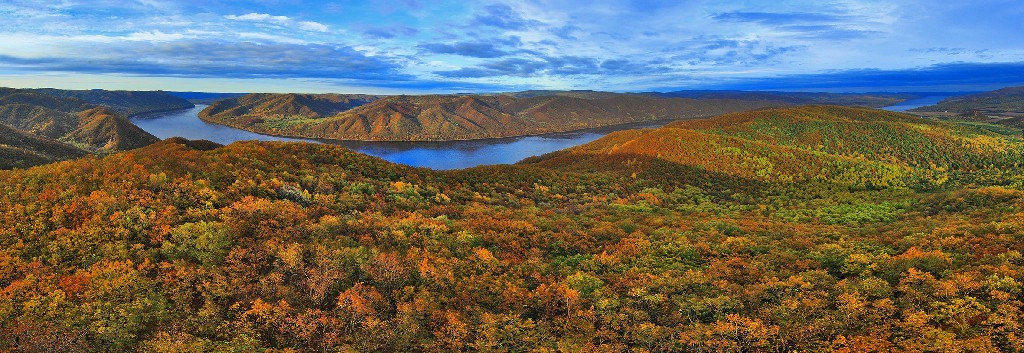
x,y
420,46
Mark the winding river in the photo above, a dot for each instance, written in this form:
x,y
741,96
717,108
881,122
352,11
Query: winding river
x,y
436,155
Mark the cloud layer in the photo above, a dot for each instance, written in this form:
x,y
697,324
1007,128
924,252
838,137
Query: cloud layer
x,y
445,46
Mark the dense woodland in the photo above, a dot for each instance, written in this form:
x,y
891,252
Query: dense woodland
x,y
802,229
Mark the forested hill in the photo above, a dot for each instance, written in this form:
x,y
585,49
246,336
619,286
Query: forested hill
x,y
103,129
698,236
126,103
452,117
279,106
1002,107
19,149
856,146
870,100
1009,99
46,124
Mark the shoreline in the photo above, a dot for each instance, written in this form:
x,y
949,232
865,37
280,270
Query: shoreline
x,y
478,139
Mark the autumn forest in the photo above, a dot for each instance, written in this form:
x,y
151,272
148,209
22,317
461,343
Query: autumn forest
x,y
812,228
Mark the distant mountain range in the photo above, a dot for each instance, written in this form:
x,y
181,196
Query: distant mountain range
x,y
870,100
204,97
46,125
127,103
454,117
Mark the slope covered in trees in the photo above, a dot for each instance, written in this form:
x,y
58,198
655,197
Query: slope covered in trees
x,y
270,106
127,103
312,247
19,149
451,117
1009,99
1003,106
42,119
855,146
102,128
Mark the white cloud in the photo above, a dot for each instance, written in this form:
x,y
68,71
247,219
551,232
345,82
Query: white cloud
x,y
156,36
312,26
280,20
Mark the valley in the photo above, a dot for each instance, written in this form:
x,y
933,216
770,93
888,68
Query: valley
x,y
48,125
507,176
671,238
452,117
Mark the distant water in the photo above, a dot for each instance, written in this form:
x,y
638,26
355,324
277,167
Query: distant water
x,y
436,155
915,103
186,123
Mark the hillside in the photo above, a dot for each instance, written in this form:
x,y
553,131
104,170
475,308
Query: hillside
x,y
38,120
675,242
1003,106
870,100
19,149
283,107
1009,99
859,147
127,103
106,130
47,117
588,94
454,117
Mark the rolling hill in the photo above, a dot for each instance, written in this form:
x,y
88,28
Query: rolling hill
x,y
19,149
45,115
453,117
271,106
854,146
103,129
127,103
1003,106
1009,99
744,232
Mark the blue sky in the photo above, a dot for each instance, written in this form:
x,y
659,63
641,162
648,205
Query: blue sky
x,y
419,46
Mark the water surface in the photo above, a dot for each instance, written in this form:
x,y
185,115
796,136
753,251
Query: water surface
x,y
186,123
916,103
436,155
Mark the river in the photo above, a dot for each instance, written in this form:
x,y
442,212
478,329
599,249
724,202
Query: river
x,y
916,103
436,155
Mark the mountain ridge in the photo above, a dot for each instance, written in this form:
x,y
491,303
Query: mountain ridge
x,y
458,117
57,115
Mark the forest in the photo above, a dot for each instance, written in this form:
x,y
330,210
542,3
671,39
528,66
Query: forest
x,y
815,228
39,126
